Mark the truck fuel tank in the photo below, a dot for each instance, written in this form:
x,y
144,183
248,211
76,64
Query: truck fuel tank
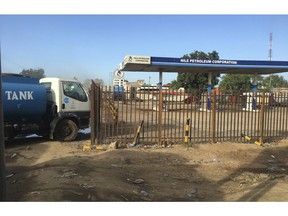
x,y
24,99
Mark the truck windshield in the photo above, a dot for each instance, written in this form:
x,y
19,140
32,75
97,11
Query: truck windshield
x,y
74,90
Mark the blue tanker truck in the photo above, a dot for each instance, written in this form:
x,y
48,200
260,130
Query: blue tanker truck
x,y
53,107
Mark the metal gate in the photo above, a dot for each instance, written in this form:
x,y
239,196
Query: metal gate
x,y
152,116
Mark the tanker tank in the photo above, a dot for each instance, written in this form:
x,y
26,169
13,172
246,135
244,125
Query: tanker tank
x,y
24,99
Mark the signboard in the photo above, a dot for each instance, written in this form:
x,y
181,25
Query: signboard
x,y
118,74
137,59
218,62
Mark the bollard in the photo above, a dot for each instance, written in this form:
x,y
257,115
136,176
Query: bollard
x,y
187,131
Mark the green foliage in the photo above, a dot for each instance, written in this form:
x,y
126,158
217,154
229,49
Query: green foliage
x,y
36,73
274,81
244,82
236,83
196,81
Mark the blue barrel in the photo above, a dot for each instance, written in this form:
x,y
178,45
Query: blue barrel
x,y
24,99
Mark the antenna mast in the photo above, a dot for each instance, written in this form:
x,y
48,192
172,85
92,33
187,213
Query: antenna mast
x,y
270,47
270,56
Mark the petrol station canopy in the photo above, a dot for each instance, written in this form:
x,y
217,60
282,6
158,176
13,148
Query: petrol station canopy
x,y
165,64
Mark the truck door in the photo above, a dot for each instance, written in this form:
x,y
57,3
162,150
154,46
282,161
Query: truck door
x,y
74,98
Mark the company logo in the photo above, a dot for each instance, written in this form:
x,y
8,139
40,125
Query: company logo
x,y
118,74
66,100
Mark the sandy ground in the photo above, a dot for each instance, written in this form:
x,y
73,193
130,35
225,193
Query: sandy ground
x,y
41,170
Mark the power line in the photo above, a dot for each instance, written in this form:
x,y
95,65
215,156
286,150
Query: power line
x,y
12,61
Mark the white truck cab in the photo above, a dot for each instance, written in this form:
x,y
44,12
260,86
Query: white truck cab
x,y
70,107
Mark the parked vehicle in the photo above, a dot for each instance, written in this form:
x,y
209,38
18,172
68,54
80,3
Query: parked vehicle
x,y
52,107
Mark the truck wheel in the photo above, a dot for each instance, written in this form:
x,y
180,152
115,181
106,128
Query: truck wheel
x,y
66,130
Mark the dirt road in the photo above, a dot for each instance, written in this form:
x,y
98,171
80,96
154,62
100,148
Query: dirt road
x,y
40,170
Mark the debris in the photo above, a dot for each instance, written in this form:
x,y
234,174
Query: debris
x,y
77,193
101,148
194,190
13,182
215,161
131,145
91,197
275,168
146,199
68,174
35,193
86,186
138,181
271,161
113,145
124,197
193,193
116,165
13,155
144,193
272,156
10,175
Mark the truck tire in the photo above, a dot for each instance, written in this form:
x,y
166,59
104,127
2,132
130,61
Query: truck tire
x,y
66,130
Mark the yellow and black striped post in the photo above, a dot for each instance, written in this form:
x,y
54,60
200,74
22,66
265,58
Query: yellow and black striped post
x,y
138,133
187,130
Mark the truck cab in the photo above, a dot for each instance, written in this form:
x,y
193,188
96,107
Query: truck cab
x,y
68,108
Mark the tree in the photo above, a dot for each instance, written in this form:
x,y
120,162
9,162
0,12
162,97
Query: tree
x,y
36,73
196,81
274,81
236,83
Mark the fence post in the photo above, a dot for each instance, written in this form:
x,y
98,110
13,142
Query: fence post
x,y
92,113
214,118
261,121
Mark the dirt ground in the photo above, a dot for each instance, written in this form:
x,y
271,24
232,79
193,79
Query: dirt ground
x,y
41,170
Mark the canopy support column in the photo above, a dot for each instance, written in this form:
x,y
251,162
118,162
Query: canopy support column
x,y
254,90
209,91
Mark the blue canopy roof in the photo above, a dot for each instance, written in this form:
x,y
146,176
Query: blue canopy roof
x,y
224,66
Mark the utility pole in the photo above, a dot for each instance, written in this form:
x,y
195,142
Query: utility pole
x,y
270,56
2,143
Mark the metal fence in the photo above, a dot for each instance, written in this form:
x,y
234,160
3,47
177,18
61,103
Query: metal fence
x,y
150,116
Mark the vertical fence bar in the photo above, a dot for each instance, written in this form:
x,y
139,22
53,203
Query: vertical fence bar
x,y
218,107
196,105
286,113
223,119
152,116
213,117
